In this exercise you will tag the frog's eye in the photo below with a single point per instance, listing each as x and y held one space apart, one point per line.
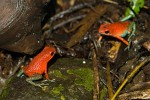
52 53
107 32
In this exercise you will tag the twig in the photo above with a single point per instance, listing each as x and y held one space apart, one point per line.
61 14
112 2
111 73
96 77
61 25
74 8
67 21
109 83
116 3
129 76
85 24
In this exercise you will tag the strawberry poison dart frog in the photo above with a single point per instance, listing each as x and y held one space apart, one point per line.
118 30
38 65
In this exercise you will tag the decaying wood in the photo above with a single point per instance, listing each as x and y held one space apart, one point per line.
86 23
96 91
109 83
20 25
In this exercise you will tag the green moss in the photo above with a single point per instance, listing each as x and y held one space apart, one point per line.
62 97
103 93
6 89
57 90
85 77
57 73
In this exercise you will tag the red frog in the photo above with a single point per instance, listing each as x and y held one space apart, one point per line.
118 30
38 65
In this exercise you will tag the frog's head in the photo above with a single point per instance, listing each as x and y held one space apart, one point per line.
49 51
104 29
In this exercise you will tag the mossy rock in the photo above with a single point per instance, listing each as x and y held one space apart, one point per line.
70 79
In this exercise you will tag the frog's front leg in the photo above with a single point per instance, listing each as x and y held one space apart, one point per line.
34 78
99 41
20 72
46 74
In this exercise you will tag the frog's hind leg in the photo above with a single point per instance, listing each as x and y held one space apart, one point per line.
34 78
133 29
121 39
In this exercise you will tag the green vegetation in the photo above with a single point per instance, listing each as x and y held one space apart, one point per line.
135 6
58 73
57 90
84 77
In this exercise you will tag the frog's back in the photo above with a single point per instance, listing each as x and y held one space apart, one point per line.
118 28
36 66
